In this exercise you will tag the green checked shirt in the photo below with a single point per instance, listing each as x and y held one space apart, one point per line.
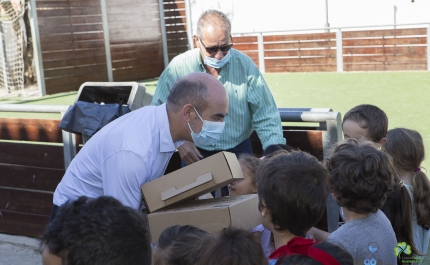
251 105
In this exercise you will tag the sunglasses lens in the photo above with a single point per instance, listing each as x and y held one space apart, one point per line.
212 49
215 49
225 48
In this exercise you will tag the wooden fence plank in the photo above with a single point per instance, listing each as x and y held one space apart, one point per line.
74 62
75 71
58 21
54 29
176 20
35 155
71 37
301 52
385 67
77 11
244 39
296 37
387 41
77 80
413 59
422 50
67 4
60 46
30 130
23 223
34 178
384 32
301 68
169 6
296 45
301 61
66 55
245 47
25 201
174 13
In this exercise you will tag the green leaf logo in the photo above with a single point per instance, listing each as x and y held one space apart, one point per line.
402 247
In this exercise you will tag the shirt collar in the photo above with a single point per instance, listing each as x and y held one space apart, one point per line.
166 143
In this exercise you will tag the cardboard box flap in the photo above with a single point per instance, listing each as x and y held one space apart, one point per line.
169 193
192 181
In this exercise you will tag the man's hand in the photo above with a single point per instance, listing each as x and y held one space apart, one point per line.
189 153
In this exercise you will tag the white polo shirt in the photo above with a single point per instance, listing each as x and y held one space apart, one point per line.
117 160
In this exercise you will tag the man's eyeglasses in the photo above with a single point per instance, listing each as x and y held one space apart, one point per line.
214 49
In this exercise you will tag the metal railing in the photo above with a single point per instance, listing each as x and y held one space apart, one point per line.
69 142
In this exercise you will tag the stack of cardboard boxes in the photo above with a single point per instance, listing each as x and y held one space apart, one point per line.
170 198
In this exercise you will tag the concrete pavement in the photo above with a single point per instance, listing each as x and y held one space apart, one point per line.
19 250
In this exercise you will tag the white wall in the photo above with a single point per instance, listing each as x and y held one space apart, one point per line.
270 15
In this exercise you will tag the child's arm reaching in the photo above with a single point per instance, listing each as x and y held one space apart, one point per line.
318 234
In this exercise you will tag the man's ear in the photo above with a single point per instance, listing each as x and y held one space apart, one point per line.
196 41
382 141
186 112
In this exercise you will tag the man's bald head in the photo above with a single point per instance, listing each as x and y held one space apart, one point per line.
213 18
196 89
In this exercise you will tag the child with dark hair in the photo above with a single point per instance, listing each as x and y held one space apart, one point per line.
181 245
361 178
234 247
292 190
96 232
370 123
366 122
277 147
406 147
314 253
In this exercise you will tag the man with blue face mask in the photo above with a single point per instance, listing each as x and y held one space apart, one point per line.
251 106
136 148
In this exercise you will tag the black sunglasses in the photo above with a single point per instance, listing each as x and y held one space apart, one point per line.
216 48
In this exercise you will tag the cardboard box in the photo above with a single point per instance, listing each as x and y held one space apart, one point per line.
192 181
211 214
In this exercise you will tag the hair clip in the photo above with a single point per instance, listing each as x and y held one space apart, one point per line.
417 169
401 183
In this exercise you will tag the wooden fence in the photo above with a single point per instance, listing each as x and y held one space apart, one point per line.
369 50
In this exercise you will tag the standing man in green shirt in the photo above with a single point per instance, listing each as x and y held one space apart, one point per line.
251 107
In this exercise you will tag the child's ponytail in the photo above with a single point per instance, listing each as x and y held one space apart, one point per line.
421 196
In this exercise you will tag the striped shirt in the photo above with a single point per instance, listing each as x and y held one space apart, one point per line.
251 104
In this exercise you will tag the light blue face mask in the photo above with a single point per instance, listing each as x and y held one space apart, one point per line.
215 63
210 133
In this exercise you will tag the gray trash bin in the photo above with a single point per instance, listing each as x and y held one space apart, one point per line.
98 103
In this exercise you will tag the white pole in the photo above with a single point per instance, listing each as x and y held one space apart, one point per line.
326 25
163 33
189 24
37 51
339 50
107 40
395 15
261 63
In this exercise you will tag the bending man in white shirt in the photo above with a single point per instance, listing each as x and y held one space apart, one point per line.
136 148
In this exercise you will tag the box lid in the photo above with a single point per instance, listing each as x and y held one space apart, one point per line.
192 181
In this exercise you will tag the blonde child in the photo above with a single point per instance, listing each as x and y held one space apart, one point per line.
407 150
